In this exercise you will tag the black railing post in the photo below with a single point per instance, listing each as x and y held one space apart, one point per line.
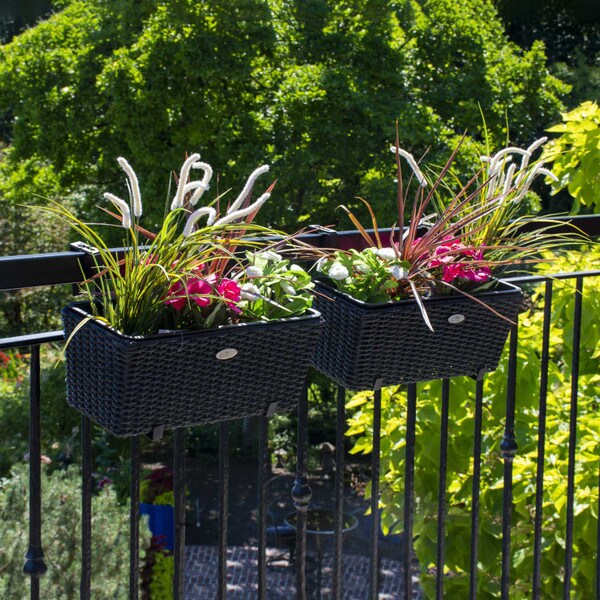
134 516
572 438
509 449
375 514
263 474
338 517
476 487
223 508
34 565
441 518
86 509
539 479
179 513
301 495
409 486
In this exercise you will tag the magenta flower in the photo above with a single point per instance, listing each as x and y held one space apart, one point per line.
231 291
456 261
198 290
176 296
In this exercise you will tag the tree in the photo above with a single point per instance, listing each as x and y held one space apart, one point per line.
312 87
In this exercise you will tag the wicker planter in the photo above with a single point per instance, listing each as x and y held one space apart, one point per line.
363 343
132 385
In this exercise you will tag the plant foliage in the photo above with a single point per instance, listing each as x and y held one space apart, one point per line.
575 155
460 462
315 85
61 535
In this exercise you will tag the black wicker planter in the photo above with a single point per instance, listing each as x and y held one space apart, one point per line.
363 343
132 385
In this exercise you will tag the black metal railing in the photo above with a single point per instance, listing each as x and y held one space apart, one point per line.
60 268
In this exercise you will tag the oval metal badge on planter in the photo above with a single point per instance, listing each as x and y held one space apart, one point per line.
226 354
454 319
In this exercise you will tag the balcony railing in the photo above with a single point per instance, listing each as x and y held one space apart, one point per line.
66 267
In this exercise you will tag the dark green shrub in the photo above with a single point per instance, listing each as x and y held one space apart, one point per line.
61 532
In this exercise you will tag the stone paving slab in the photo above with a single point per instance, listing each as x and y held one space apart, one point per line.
242 575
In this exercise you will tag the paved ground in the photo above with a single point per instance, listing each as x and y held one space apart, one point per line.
202 536
201 576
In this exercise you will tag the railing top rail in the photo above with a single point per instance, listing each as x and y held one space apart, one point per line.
540 278
58 268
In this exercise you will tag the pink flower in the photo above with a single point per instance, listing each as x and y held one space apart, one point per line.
452 271
480 274
231 291
198 290
176 296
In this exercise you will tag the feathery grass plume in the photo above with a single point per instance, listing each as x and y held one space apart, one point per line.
122 206
230 217
134 186
247 188
195 216
183 177
202 186
410 159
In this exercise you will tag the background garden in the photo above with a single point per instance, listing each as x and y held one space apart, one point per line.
313 88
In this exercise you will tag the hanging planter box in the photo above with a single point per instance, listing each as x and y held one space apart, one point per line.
363 343
134 385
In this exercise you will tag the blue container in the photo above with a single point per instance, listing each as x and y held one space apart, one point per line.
160 521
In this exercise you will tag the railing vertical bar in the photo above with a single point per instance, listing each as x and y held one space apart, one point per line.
179 513
541 443
34 565
441 515
301 495
86 509
409 487
476 487
263 474
223 507
509 448
572 437
338 517
134 517
598 544
375 514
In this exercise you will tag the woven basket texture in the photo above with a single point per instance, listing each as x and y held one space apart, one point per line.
362 343
131 386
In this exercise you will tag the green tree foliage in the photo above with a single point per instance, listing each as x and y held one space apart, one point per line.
576 156
313 87
61 534
460 461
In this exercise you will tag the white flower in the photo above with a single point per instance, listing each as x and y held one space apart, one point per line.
250 292
387 253
288 288
338 271
297 269
397 272
361 267
254 271
270 255
372 249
